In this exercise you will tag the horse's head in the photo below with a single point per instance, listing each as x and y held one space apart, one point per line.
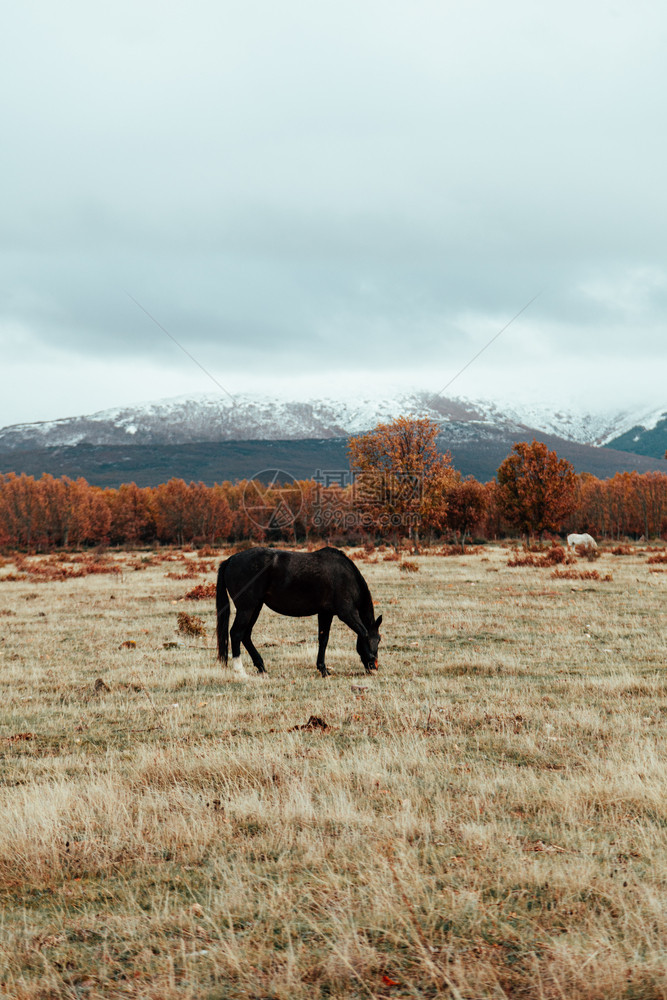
367 646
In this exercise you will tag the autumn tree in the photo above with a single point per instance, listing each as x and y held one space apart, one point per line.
466 506
492 524
20 509
536 488
401 477
132 519
210 516
91 518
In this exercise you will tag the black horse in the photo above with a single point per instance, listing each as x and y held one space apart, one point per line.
323 583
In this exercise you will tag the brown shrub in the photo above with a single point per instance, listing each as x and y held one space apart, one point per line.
660 558
242 546
587 552
580 574
409 567
556 554
191 624
202 592
52 568
202 566
207 553
517 560
391 557
622 550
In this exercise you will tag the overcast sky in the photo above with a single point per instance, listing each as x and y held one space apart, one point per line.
309 196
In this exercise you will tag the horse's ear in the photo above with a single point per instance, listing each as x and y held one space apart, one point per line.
378 622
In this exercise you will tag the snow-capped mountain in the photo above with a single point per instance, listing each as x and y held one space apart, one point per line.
600 428
646 436
213 417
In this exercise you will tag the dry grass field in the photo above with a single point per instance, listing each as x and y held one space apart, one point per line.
485 817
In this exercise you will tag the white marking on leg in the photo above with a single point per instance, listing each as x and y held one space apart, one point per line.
237 666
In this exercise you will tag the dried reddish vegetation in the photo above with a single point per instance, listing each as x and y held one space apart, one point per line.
458 550
55 568
552 557
191 624
587 552
202 592
580 574
661 557
193 569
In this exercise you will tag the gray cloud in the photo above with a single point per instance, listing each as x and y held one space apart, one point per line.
292 188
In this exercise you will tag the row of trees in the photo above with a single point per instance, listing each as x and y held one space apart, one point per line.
402 487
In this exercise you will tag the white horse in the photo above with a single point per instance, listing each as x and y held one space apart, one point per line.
586 540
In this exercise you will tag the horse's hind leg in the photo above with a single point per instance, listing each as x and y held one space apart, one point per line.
248 643
324 620
240 633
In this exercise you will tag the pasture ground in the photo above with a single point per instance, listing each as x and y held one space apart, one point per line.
485 817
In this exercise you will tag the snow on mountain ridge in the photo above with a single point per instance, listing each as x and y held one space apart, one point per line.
212 417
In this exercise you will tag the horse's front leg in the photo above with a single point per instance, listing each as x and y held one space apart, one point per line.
254 654
353 620
324 620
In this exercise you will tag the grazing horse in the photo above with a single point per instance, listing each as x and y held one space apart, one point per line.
323 583
586 540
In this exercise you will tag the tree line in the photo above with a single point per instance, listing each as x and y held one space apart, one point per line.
401 487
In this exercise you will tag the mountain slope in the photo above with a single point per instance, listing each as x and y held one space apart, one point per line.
646 438
217 461
212 417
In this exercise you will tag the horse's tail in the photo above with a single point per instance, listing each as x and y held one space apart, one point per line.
222 610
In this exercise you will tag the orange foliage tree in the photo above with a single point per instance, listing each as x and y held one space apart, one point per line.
404 485
466 506
630 503
401 477
132 514
536 488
